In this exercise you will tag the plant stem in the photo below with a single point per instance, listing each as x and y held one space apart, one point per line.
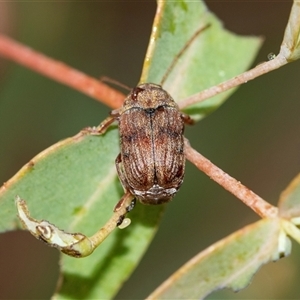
259 70
256 203
60 72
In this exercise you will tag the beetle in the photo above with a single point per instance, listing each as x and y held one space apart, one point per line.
150 165
151 162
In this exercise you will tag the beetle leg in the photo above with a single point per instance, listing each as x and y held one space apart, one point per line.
187 119
101 129
74 244
123 181
120 171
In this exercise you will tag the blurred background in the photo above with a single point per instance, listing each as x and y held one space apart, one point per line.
254 136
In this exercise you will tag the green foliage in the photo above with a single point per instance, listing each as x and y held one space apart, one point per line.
74 185
64 184
229 263
215 56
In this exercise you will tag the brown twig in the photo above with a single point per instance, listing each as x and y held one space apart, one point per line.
279 61
99 91
256 203
60 72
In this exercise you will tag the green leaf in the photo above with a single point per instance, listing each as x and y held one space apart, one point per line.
289 209
61 179
289 202
74 185
229 263
290 46
215 56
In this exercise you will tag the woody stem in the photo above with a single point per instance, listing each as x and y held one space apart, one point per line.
60 72
256 203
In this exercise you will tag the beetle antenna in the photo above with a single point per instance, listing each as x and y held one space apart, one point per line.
115 82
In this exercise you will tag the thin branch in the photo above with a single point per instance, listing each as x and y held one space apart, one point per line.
256 203
60 72
103 93
259 70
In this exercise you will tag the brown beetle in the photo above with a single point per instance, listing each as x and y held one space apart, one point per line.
151 163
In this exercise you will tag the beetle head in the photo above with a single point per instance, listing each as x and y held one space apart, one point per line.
148 95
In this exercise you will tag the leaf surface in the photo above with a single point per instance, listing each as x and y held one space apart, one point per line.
215 56
229 263
290 47
289 202
74 185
